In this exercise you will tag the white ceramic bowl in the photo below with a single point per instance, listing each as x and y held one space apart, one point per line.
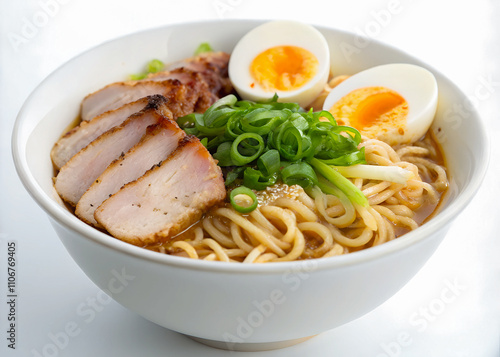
233 305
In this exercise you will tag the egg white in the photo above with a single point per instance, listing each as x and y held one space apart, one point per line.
279 33
415 84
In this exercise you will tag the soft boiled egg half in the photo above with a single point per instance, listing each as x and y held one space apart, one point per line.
288 58
395 103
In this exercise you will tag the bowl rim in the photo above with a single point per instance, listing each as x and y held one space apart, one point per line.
70 222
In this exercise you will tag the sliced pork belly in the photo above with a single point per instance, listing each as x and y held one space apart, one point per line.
216 61
76 176
205 85
167 199
154 147
87 131
115 95
193 95
213 66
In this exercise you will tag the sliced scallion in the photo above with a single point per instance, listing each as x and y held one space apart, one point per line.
256 180
299 174
243 199
269 162
202 48
347 187
236 153
153 66
263 142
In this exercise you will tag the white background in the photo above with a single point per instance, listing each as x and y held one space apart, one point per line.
459 38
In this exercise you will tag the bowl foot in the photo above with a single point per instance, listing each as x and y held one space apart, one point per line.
249 347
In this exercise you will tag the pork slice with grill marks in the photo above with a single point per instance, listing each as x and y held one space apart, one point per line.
166 199
76 176
115 95
205 84
213 66
87 131
154 147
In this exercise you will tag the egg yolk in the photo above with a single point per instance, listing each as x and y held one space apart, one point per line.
373 107
375 111
283 68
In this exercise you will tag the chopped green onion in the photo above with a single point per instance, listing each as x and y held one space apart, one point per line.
353 158
265 117
223 154
263 142
240 159
139 76
351 191
238 195
187 121
202 48
289 142
233 174
299 174
153 66
269 162
373 172
256 180
329 188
